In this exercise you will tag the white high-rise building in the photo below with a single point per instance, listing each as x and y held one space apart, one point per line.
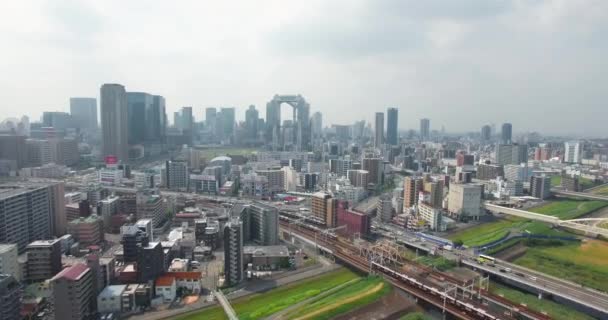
114 117
573 152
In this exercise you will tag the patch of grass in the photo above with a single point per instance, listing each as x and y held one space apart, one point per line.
556 181
440 263
505 245
581 263
487 232
353 296
261 305
603 191
210 153
555 310
566 209
415 316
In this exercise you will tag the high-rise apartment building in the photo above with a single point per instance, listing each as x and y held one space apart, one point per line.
572 152
511 153
384 208
233 252
114 121
392 126
251 122
540 187
358 178
84 112
260 224
151 206
506 134
31 211
43 259
425 129
379 130
323 207
317 124
489 171
176 175
73 293
227 120
411 189
375 169
87 230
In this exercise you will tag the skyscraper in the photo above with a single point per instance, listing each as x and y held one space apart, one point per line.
411 188
486 133
114 119
84 112
187 123
379 130
147 121
506 133
227 119
392 130
425 129
317 124
251 122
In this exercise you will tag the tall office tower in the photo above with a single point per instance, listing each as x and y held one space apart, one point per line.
375 170
260 224
573 152
10 298
57 120
211 119
13 148
379 130
251 122
425 129
73 293
227 120
187 123
8 260
114 121
486 133
31 211
384 208
542 152
392 126
511 153
540 187
506 135
233 252
43 259
147 121
176 175
317 124
300 132
84 112
323 206
411 188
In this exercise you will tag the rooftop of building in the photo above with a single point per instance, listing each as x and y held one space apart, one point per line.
12 189
112 291
43 243
221 158
272 251
73 273
165 281
184 275
90 219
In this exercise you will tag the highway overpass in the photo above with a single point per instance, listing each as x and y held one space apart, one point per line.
582 195
588 226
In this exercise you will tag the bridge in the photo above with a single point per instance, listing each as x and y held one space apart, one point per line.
589 226
582 195
230 313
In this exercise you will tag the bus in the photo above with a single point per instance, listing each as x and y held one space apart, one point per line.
483 258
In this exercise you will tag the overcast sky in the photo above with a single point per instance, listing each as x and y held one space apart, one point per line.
541 65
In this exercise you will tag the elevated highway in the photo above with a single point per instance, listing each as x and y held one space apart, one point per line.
587 226
582 195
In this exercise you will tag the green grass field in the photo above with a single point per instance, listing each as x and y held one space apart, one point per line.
440 263
211 153
487 232
584 263
346 299
603 191
415 316
584 183
261 305
561 208
555 310
556 181
566 209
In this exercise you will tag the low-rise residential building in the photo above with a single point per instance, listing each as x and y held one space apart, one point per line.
110 299
166 288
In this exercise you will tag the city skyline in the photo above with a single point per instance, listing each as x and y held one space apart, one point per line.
453 64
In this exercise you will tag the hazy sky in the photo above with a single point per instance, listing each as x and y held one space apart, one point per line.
541 65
